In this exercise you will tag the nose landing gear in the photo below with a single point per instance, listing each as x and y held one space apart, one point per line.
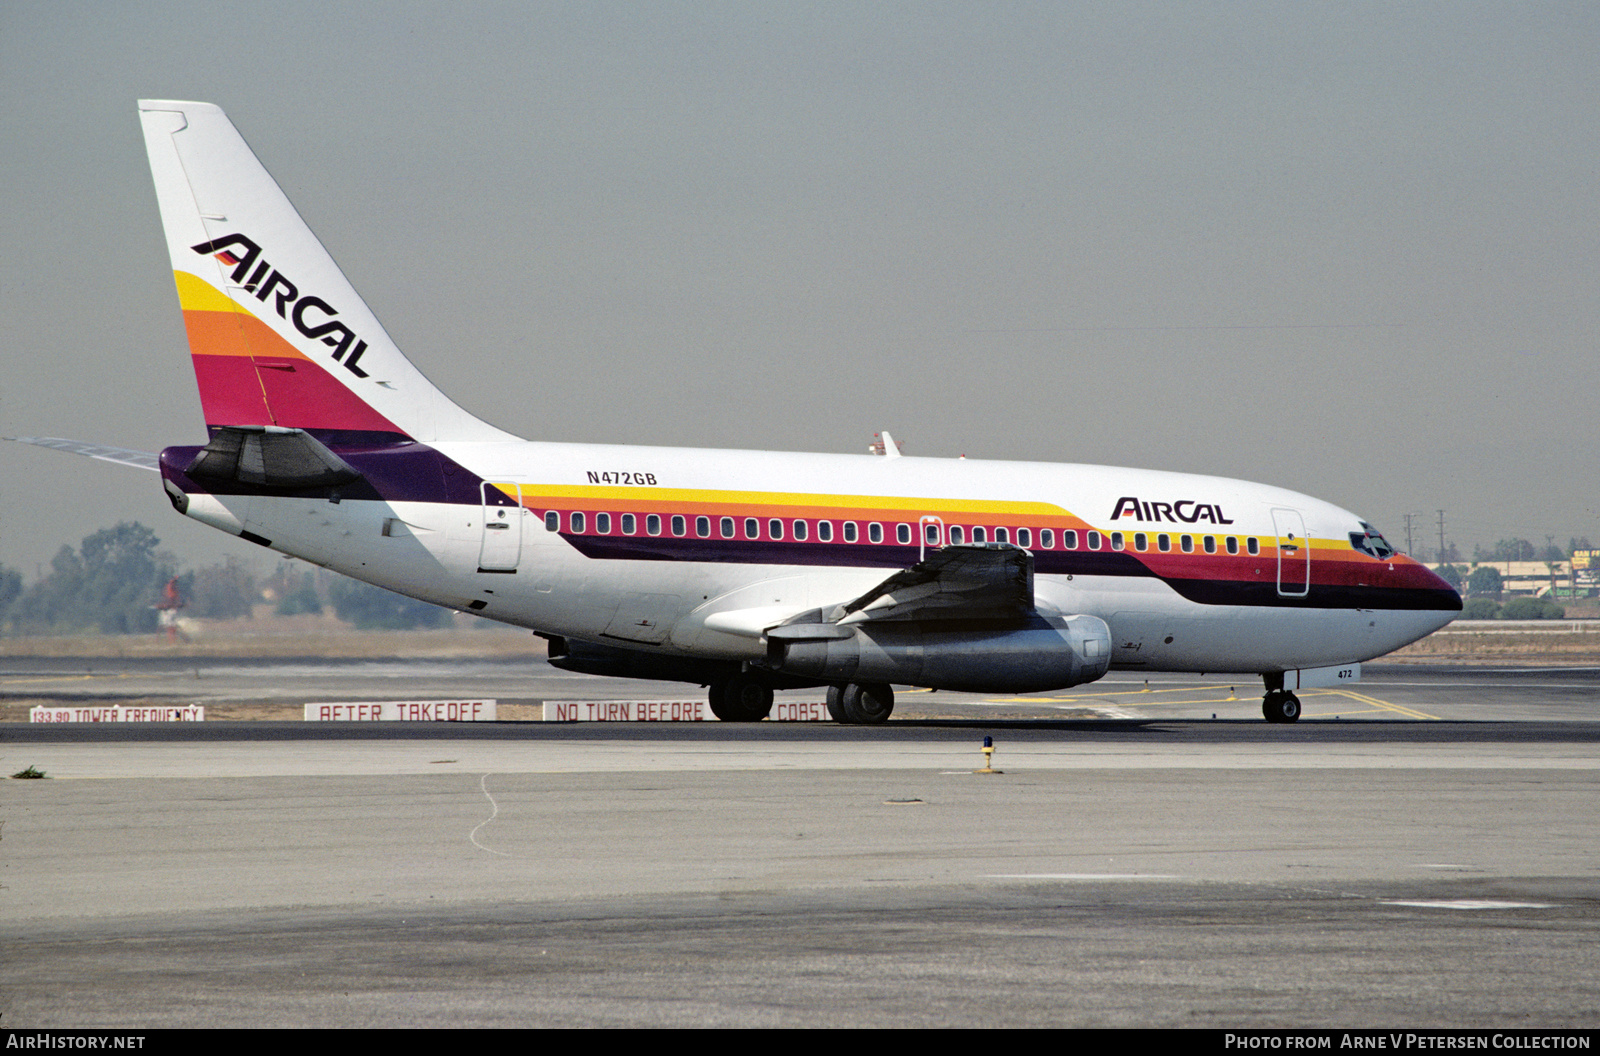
1279 705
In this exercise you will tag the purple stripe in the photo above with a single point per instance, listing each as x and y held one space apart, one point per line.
391 471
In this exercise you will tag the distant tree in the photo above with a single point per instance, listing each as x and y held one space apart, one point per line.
1450 553
1579 543
10 591
1451 575
218 592
1507 550
373 608
110 584
1480 609
1485 582
301 598
1532 609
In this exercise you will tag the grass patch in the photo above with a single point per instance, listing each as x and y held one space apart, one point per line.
30 773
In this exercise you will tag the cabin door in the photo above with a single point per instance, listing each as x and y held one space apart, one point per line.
1294 554
502 528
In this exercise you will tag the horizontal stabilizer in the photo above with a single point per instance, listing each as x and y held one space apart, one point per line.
122 456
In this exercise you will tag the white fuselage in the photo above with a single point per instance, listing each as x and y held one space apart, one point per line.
604 587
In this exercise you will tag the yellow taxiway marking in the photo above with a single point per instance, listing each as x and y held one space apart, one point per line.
1087 699
1381 705
58 678
1146 691
1151 703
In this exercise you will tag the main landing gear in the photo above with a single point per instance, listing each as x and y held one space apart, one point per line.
740 698
860 703
743 698
1279 705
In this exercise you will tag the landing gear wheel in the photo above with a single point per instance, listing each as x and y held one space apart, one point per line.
740 698
860 703
1280 706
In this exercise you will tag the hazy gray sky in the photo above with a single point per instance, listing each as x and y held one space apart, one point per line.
1346 248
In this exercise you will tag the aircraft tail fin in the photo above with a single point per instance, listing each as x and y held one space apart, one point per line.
278 335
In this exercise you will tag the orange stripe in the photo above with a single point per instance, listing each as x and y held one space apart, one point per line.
235 334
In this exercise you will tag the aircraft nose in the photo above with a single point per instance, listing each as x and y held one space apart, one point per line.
1447 594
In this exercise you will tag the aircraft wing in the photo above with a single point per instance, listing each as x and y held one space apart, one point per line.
961 581
120 455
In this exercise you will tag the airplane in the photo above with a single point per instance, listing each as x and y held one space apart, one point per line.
742 571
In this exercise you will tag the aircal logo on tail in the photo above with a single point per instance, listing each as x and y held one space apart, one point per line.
1185 510
266 281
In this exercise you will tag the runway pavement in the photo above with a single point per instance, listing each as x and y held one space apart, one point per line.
1428 858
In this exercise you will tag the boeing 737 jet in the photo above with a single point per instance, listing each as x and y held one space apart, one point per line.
743 571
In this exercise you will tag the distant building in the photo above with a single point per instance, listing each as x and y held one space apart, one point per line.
1578 578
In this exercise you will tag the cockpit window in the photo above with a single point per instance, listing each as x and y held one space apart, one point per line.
1371 541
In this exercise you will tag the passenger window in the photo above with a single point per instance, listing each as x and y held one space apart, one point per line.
630 524
679 525
702 527
1024 537
1069 539
1233 544
552 521
1210 543
930 534
1253 545
902 534
824 531
1163 542
1116 540
752 528
849 531
979 535
652 524
1186 543
577 522
602 523
1140 541
1093 539
774 529
957 534
1047 538
726 527
1002 535
800 532
875 532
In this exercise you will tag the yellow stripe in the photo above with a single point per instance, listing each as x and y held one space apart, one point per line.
197 295
786 498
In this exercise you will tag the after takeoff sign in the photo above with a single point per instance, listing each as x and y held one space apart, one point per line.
402 711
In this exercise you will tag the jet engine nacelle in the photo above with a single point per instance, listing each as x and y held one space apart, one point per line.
1049 653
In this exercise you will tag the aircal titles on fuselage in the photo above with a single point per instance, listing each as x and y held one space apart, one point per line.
1184 511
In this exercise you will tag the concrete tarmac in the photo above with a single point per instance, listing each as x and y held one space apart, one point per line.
1376 871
